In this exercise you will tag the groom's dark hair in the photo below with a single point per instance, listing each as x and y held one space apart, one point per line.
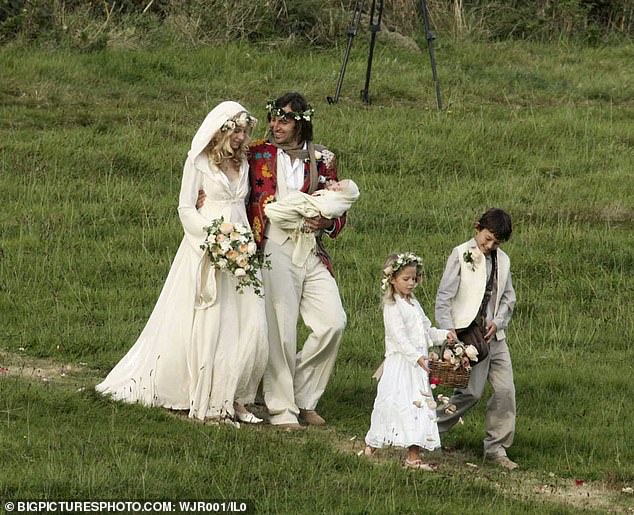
298 104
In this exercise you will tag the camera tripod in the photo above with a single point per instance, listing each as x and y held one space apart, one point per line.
376 12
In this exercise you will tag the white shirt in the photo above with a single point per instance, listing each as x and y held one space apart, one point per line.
293 172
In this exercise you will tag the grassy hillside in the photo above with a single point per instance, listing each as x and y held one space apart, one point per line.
91 152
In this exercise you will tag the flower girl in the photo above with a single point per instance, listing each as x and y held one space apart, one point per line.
404 409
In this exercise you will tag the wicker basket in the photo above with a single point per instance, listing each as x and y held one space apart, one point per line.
444 374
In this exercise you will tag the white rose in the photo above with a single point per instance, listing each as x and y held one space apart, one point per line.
476 255
226 227
239 272
251 247
471 352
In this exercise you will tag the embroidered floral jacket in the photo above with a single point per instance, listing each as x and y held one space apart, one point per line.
263 177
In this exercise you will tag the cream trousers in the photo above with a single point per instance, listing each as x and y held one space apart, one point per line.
499 421
293 379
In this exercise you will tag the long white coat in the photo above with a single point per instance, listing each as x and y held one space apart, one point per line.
204 345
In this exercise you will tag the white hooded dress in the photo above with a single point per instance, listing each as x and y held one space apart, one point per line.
205 344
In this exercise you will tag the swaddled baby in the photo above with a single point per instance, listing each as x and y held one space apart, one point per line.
288 213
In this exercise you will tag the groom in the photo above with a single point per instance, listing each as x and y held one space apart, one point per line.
294 381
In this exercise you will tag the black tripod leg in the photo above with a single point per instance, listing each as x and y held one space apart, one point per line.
375 26
429 35
352 32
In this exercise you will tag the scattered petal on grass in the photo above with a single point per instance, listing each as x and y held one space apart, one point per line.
22 349
83 364
3 370
81 389
551 474
579 482
353 438
360 453
472 465
460 421
45 379
63 374
627 490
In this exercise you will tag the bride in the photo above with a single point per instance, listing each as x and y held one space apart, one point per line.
204 347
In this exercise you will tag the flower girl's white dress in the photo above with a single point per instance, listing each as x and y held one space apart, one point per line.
204 345
396 420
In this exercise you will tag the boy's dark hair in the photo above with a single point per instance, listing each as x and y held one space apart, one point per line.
498 222
298 103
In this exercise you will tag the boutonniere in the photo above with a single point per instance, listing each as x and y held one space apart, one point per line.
318 157
472 259
322 179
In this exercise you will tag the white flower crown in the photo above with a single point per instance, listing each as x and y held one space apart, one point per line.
278 112
402 260
242 119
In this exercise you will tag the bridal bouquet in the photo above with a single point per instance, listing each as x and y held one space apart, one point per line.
232 249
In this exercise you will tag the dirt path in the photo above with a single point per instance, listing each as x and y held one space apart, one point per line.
530 486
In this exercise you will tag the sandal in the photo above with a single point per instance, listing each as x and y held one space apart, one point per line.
247 417
419 465
244 415
369 451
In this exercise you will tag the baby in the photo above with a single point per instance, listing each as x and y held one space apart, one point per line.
289 213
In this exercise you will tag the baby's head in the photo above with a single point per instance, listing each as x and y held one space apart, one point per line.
346 186
338 185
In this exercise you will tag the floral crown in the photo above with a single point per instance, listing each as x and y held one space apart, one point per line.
278 112
242 119
402 260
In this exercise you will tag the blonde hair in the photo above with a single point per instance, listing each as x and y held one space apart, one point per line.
219 147
395 264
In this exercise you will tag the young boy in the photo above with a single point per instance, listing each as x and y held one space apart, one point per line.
476 288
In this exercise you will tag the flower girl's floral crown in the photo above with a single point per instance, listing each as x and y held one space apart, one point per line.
401 261
278 112
242 119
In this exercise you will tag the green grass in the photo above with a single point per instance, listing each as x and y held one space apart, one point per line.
91 152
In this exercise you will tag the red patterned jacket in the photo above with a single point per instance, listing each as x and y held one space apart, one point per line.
263 178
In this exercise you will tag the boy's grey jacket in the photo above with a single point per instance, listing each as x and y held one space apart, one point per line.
462 288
